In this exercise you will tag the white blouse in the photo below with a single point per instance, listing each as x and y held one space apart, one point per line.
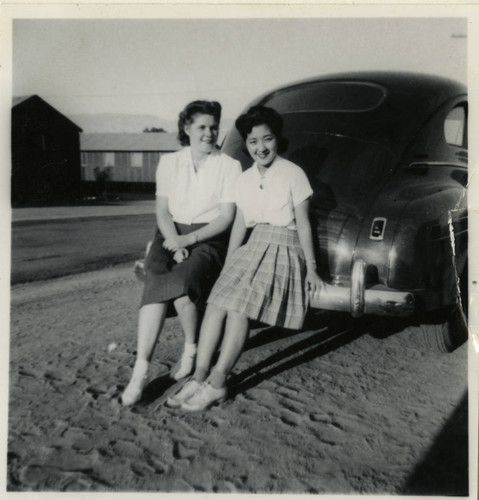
195 197
271 198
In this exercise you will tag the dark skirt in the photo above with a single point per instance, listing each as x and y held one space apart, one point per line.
166 280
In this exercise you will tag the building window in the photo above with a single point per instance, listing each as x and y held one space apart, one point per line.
122 159
454 126
91 158
109 159
136 159
150 159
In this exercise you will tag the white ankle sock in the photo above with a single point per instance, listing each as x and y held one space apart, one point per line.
189 349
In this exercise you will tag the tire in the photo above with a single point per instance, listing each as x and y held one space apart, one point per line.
446 330
445 336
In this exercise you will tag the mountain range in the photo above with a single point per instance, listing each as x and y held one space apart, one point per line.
126 123
114 122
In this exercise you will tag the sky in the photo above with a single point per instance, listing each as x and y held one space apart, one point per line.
156 66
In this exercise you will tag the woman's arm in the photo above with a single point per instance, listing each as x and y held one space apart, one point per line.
237 233
303 226
215 227
164 219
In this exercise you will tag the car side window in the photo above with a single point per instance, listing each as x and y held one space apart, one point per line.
455 127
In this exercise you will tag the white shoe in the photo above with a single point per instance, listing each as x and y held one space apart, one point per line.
184 367
183 394
204 397
134 390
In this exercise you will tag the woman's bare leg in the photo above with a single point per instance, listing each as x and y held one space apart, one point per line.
189 320
150 323
210 335
236 334
151 319
188 316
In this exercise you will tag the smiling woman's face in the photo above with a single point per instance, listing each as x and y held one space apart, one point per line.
262 145
203 133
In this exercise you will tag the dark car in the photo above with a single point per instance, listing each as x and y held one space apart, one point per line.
386 155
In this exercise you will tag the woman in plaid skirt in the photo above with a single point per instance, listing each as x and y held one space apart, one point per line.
268 279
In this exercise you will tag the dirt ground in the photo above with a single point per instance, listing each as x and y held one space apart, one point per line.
331 409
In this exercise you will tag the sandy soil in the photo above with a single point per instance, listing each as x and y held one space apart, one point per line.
332 409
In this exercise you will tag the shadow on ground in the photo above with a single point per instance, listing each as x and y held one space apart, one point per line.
444 470
332 332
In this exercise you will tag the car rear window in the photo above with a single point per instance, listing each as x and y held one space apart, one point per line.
328 96
340 169
454 126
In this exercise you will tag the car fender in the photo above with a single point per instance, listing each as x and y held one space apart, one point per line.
428 247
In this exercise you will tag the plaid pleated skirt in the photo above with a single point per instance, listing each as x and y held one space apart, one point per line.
166 280
265 279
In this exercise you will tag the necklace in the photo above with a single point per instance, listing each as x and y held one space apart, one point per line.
262 178
261 184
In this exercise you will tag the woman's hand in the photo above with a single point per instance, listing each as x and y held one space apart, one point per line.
313 282
175 243
180 255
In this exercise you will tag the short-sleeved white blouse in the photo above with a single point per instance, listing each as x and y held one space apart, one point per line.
271 199
195 197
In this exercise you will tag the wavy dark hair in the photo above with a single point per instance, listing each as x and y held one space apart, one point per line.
212 108
262 115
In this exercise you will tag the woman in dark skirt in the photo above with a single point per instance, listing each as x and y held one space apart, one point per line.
194 211
268 279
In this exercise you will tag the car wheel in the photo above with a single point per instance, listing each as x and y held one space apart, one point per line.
447 330
445 336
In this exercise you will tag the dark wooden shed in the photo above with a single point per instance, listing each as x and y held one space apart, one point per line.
45 153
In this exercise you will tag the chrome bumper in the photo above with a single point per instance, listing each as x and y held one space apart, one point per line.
355 299
358 300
